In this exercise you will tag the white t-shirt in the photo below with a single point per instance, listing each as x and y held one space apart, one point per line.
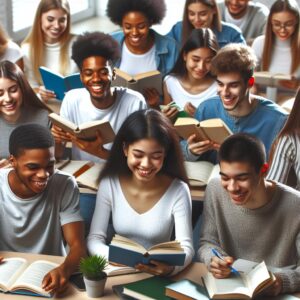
78 108
181 96
51 61
13 52
149 228
34 224
134 64
237 22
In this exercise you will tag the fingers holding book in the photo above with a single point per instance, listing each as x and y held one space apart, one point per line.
55 281
46 94
60 135
220 267
156 268
196 147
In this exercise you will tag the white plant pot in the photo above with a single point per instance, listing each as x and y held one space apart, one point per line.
94 288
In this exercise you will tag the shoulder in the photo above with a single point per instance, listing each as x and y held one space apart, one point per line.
3 176
259 41
62 178
230 28
214 190
163 41
118 36
131 96
271 107
76 95
258 8
170 78
290 194
25 48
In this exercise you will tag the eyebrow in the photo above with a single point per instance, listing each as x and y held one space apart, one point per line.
231 82
237 175
140 151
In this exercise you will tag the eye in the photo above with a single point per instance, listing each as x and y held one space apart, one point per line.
191 13
50 19
32 167
87 72
141 26
104 71
13 89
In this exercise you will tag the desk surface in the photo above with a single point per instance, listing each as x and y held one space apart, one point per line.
194 273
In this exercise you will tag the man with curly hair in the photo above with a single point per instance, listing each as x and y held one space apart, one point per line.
93 53
143 49
241 111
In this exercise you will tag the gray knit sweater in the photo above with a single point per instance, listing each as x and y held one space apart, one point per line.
269 233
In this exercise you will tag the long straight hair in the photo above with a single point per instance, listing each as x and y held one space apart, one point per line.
199 38
187 27
280 6
3 41
35 38
144 124
13 72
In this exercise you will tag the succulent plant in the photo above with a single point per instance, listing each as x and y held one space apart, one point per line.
92 267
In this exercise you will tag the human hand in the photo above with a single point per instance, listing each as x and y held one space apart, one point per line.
190 108
170 112
1 259
152 97
94 147
56 280
60 135
46 94
198 148
220 267
156 268
275 289
4 163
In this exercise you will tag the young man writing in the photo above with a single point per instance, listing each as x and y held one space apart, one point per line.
249 16
241 111
94 53
246 216
40 206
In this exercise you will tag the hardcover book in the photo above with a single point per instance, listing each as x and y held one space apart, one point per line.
269 79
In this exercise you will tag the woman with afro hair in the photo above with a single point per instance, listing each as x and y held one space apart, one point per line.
143 49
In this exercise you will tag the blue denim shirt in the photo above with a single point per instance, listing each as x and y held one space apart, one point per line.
229 34
264 122
166 51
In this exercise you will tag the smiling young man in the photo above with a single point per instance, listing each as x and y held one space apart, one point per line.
40 207
93 53
241 111
249 16
246 216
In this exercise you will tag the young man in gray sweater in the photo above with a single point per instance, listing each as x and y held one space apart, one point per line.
246 216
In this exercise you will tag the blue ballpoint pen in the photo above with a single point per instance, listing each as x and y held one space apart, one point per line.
218 254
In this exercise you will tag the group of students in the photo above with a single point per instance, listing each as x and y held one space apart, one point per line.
144 181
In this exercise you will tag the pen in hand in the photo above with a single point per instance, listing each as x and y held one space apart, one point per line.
218 254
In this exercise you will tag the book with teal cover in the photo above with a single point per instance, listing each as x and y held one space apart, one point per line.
60 84
149 288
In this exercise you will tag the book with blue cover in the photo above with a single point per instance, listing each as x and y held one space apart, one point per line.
59 84
127 252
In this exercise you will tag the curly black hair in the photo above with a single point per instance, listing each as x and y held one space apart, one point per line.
154 10
94 44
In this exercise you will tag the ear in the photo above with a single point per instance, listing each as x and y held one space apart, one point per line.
113 75
184 56
251 82
12 160
125 149
264 169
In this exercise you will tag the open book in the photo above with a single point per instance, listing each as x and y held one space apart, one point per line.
86 173
139 82
127 252
59 84
269 79
244 285
86 131
19 277
212 129
201 172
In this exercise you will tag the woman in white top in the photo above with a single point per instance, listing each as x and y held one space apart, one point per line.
190 81
278 50
143 185
9 50
49 44
285 151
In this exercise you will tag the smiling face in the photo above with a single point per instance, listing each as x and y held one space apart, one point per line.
145 159
136 28
200 15
32 169
241 182
53 24
96 75
10 99
237 8
198 62
283 24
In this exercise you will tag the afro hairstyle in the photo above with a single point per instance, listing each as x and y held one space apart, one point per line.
154 10
94 44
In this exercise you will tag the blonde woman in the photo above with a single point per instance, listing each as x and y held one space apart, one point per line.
49 44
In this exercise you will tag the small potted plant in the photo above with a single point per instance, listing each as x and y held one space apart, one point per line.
92 268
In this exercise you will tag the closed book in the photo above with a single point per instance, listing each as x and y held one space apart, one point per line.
127 252
152 288
269 79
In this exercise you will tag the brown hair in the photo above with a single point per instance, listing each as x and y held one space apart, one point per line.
35 38
3 41
280 6
187 27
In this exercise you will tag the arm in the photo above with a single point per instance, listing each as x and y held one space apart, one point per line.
56 279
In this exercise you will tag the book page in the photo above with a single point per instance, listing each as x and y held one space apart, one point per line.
114 270
10 269
123 242
199 170
151 79
73 166
90 178
33 276
62 123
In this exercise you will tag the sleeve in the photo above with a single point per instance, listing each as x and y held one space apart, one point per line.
236 35
257 47
65 107
182 213
283 160
96 240
69 207
208 233
291 277
175 32
28 70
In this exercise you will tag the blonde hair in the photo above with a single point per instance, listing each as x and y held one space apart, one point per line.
3 41
35 38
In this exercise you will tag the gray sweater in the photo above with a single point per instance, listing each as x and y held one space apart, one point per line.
269 233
